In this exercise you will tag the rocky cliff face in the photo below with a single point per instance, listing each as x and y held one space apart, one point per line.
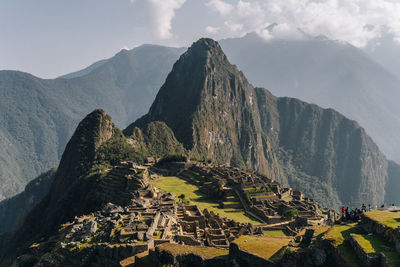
327 155
217 114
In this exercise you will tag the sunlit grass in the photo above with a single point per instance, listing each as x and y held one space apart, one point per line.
205 252
387 218
338 234
195 197
264 246
375 244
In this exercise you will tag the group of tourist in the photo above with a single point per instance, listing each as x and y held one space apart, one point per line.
354 214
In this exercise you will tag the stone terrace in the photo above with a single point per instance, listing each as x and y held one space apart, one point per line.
265 199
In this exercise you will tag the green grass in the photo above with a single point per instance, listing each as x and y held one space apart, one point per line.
195 197
365 243
387 218
267 247
159 234
338 234
374 244
274 233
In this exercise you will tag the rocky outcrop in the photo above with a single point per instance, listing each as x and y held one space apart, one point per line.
157 139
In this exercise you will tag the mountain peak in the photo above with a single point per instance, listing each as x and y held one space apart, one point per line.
204 51
94 130
187 86
211 108
206 44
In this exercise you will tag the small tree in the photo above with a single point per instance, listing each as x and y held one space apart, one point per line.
181 197
290 214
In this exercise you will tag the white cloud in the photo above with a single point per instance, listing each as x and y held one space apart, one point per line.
212 30
355 21
160 14
239 18
219 6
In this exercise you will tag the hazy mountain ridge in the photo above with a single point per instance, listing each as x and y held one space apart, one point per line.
329 73
14 210
38 116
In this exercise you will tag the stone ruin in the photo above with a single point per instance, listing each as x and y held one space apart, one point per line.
122 182
206 228
262 197
141 217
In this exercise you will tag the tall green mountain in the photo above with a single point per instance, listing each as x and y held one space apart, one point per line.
203 95
216 114
37 116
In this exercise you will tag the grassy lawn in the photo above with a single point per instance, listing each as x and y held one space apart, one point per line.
274 233
205 252
192 193
374 244
387 218
320 229
267 247
337 234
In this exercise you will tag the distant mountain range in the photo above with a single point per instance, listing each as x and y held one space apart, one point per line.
386 51
329 73
38 116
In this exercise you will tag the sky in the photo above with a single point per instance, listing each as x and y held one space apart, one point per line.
49 38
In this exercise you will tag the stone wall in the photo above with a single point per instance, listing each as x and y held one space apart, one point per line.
366 259
391 235
120 251
188 240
